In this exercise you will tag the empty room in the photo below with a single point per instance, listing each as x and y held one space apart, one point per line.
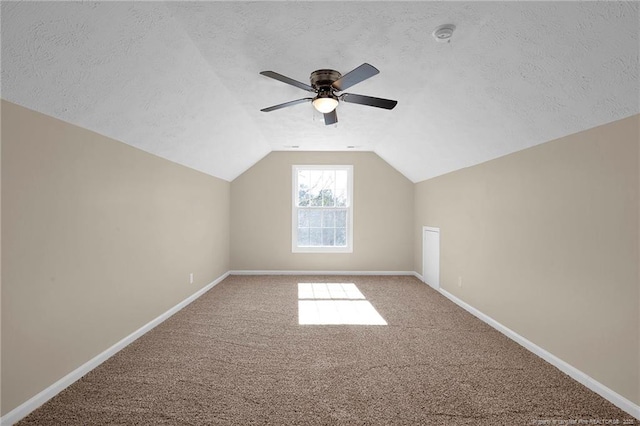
318 213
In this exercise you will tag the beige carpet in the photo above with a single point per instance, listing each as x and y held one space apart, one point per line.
238 356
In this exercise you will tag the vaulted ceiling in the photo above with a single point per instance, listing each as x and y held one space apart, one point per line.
181 79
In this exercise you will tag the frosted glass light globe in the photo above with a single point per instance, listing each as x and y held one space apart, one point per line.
325 105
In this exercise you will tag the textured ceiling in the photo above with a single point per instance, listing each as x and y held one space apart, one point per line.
181 79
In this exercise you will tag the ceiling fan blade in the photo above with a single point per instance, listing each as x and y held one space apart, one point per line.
286 104
288 80
355 76
330 118
369 100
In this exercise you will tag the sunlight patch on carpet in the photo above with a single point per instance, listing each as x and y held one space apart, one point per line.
333 304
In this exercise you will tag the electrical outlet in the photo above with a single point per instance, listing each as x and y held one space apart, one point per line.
459 281
191 278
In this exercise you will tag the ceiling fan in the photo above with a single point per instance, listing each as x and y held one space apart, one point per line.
326 84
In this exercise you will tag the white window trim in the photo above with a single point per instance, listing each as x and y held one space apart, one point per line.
294 210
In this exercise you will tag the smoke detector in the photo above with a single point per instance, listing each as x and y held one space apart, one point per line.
444 32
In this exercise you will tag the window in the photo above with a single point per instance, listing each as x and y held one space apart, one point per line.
322 219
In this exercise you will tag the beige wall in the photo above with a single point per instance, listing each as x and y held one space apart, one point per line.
98 238
546 243
545 240
261 216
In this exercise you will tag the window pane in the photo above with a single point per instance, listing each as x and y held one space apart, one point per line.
328 218
303 218
303 187
303 198
315 236
303 177
341 198
341 180
315 218
327 198
303 236
341 237
316 200
341 218
328 237
315 182
329 187
330 179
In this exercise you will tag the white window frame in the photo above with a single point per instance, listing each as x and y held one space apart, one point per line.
294 211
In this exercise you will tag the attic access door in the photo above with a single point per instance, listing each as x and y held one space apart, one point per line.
431 256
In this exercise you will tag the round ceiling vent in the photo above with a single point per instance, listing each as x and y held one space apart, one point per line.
444 32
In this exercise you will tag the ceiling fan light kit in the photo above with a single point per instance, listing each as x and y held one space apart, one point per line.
325 84
325 104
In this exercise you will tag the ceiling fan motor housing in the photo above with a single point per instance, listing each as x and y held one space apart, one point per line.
323 79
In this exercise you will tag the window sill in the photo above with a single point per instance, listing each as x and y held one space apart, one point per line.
322 250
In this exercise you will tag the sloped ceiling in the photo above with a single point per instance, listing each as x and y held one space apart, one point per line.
181 79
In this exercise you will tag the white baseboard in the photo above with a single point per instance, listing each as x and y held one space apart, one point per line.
286 272
27 407
418 276
608 394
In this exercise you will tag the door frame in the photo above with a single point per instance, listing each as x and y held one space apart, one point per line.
426 229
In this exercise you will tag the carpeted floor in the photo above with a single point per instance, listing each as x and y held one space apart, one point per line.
238 356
